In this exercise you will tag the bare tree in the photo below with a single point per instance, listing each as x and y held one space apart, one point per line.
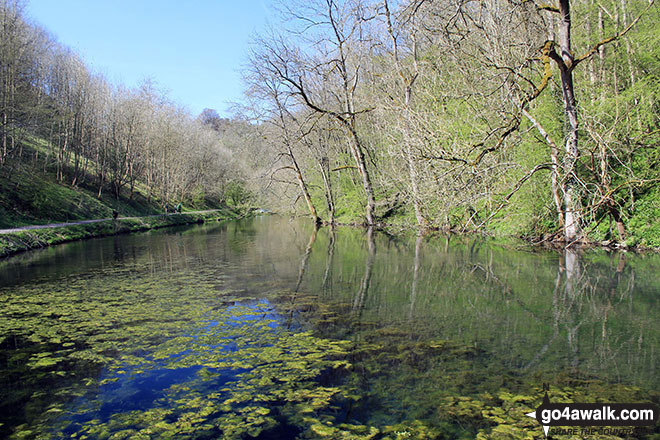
407 78
334 60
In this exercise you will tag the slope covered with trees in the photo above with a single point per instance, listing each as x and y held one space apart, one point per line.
519 117
515 117
73 145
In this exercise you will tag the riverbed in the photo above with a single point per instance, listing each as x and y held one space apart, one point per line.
269 328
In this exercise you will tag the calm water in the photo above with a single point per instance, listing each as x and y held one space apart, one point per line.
266 328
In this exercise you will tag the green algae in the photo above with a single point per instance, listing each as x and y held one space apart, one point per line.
67 336
255 359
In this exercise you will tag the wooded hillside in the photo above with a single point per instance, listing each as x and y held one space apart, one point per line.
507 116
68 136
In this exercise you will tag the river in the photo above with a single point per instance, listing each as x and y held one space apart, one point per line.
267 328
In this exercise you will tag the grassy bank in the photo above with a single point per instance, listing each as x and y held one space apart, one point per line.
31 194
12 243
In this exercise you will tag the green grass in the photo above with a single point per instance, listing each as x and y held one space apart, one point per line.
30 194
29 197
20 241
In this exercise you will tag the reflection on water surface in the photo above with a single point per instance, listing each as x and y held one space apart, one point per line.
268 328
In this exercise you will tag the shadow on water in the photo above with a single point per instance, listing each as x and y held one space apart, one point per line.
86 255
273 328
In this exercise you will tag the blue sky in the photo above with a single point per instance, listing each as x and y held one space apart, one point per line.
192 49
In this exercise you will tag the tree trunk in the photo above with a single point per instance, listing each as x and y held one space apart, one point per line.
327 184
358 154
592 60
408 80
412 168
601 54
4 137
303 188
554 158
571 193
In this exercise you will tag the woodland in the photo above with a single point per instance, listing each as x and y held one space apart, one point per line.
505 117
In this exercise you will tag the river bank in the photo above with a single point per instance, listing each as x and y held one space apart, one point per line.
20 240
552 242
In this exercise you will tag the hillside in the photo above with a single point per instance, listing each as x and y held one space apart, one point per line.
31 194
74 145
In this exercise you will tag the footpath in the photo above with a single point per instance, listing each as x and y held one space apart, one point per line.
26 238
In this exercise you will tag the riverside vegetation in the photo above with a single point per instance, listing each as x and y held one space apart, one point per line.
526 118
14 242
509 118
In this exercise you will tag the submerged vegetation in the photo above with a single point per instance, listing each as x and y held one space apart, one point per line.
268 329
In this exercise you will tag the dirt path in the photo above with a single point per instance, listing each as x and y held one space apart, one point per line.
83 222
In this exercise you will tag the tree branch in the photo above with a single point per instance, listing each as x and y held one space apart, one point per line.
614 37
519 184
514 124
345 167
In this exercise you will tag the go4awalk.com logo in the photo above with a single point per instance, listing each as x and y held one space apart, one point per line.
591 418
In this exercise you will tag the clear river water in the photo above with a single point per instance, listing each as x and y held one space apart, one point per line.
268 328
